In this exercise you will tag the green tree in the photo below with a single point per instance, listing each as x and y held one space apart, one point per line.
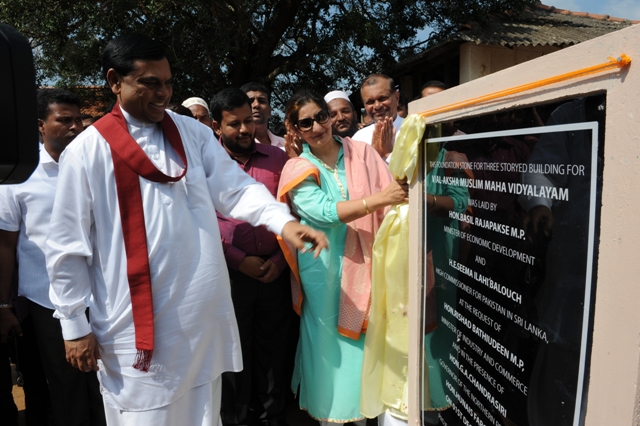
212 44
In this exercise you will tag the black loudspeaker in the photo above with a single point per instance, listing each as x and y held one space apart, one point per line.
18 112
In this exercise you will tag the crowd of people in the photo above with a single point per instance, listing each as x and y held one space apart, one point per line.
131 305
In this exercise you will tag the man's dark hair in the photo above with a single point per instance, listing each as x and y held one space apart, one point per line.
434 83
404 100
373 79
227 100
256 87
124 50
47 97
182 110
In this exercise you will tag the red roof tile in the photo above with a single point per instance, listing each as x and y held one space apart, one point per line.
541 26
553 9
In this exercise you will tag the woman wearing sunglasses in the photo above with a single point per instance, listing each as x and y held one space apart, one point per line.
341 187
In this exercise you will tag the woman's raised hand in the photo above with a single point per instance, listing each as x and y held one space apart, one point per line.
292 143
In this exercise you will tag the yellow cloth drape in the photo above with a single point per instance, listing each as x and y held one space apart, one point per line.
385 364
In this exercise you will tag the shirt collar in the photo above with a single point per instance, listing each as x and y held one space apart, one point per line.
398 122
45 157
134 121
275 140
261 148
258 148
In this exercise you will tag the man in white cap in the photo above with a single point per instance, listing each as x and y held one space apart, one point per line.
200 110
380 98
344 119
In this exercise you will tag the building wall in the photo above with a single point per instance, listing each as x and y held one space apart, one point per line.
479 60
613 392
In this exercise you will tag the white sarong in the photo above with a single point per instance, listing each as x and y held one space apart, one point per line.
199 406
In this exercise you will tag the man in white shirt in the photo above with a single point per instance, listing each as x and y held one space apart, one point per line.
260 98
134 228
380 98
25 212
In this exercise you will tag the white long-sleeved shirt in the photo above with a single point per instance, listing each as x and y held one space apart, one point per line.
196 337
26 208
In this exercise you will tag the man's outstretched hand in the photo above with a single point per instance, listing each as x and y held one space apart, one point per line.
296 234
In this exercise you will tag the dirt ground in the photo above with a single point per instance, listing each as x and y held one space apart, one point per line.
18 398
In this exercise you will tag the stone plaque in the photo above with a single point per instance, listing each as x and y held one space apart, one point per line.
512 211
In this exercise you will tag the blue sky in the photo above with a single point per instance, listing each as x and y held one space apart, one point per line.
628 9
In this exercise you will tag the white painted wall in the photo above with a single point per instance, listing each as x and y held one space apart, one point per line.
479 60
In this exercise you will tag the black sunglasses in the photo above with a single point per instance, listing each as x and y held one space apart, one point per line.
306 124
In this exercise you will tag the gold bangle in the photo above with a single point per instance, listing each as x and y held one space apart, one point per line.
432 205
366 208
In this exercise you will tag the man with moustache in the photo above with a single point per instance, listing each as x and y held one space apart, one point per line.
25 213
344 119
260 98
132 234
380 98
258 271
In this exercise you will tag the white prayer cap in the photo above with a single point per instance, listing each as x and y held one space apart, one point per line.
336 94
196 101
